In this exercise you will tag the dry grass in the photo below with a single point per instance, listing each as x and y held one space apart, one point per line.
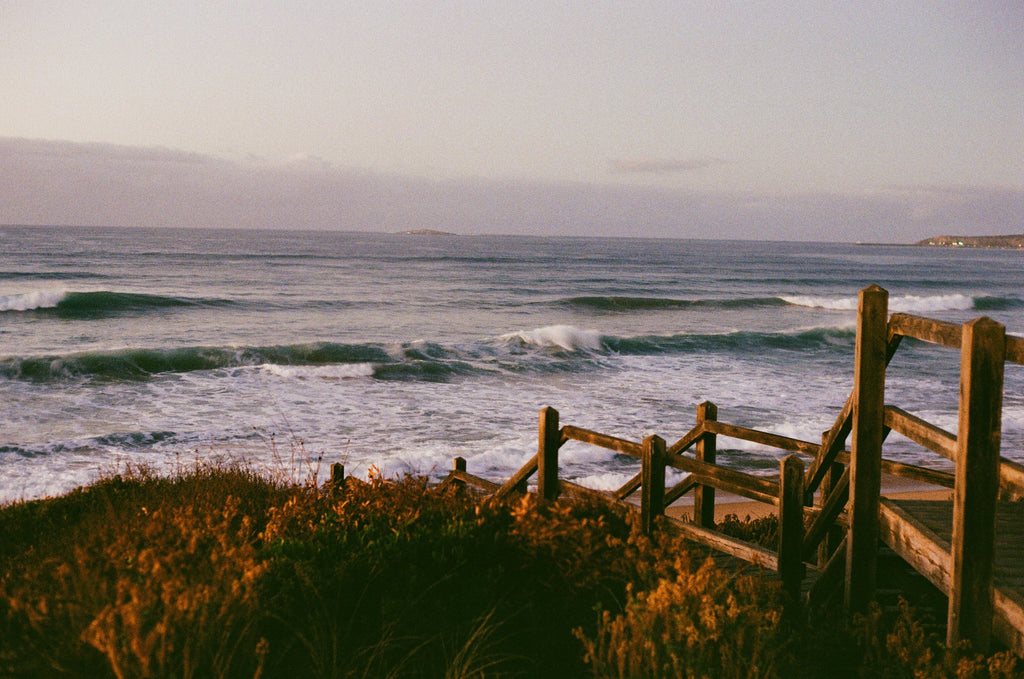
222 572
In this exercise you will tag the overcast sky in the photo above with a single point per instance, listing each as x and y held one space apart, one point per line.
806 120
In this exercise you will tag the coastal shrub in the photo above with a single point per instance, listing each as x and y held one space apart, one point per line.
698 624
221 572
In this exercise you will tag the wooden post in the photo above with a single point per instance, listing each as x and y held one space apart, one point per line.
791 525
834 537
982 355
652 474
866 447
337 475
704 496
549 440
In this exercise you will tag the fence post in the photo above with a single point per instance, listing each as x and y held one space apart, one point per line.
337 475
652 475
982 356
791 525
549 440
834 537
704 496
866 447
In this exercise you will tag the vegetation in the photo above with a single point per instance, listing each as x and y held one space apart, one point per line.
225 573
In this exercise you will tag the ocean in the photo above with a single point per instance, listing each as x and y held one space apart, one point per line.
289 351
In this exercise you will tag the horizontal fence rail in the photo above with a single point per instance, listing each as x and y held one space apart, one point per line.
838 542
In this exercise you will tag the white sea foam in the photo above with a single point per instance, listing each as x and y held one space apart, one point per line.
39 299
342 371
905 304
566 337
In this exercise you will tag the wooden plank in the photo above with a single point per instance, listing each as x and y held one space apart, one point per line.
574 489
549 440
525 472
687 441
652 500
977 483
791 525
1008 624
916 543
570 433
728 480
832 506
926 329
764 438
915 473
680 489
1015 349
748 551
704 496
629 487
919 431
463 476
1011 480
832 444
866 447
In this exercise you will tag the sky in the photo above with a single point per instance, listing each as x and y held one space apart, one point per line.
853 121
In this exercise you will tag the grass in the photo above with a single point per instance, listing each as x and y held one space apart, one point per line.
222 572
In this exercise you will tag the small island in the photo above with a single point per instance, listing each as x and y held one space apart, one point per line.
1015 242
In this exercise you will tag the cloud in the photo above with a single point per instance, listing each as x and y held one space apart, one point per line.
662 166
65 183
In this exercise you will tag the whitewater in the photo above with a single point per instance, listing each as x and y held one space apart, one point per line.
289 351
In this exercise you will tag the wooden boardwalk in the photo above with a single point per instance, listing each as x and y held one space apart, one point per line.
925 541
833 517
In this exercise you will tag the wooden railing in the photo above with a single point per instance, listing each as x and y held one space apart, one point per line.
840 490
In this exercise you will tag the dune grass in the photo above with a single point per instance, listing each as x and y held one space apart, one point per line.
223 572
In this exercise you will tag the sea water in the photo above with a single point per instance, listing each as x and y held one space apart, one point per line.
289 351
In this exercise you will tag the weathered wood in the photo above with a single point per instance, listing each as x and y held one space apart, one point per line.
748 551
576 490
680 489
791 525
1008 624
916 543
629 487
652 500
917 430
727 480
833 535
764 438
1011 480
832 443
462 476
570 433
688 441
1015 349
516 480
704 496
926 329
866 447
549 440
977 483
830 577
337 474
832 506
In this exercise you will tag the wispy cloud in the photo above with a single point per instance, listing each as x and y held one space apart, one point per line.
661 165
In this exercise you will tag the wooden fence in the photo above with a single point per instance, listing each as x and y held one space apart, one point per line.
831 513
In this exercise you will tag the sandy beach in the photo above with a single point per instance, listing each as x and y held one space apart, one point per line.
725 504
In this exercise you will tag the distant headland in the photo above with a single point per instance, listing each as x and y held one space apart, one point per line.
427 232
1005 242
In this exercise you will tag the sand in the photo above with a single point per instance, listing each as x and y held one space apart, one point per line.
892 487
